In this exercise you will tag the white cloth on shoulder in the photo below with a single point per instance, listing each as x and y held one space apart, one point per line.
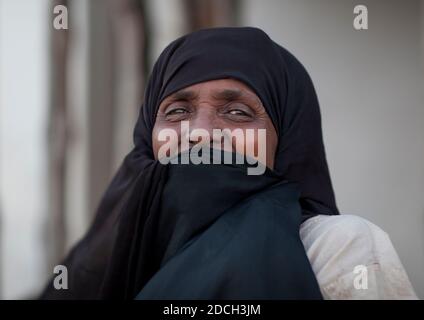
336 245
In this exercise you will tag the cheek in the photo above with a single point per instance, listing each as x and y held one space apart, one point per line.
271 145
262 144
256 145
155 142
165 138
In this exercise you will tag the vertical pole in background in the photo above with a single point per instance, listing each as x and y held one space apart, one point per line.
211 13
100 105
57 143
128 36
115 85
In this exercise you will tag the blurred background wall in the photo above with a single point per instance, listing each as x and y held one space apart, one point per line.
69 100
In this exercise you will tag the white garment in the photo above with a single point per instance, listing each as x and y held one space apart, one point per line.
335 245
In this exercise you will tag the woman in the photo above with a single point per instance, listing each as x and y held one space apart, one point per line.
172 227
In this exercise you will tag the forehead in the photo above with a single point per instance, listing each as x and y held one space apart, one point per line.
228 89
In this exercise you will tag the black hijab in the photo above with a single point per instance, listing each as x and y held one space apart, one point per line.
138 226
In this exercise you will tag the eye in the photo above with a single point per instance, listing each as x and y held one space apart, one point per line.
176 110
238 112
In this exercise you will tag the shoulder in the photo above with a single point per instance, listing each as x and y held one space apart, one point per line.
347 229
337 245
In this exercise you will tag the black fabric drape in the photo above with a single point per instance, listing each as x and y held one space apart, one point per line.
118 255
246 248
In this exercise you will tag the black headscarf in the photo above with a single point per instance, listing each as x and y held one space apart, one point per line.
137 227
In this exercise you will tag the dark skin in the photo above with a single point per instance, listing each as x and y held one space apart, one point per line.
216 104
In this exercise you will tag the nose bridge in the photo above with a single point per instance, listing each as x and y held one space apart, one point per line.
205 118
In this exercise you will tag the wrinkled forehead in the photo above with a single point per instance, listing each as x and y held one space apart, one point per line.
220 89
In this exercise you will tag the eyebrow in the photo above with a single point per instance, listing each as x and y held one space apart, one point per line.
184 95
228 94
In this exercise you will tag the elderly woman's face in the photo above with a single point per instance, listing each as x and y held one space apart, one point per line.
217 104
